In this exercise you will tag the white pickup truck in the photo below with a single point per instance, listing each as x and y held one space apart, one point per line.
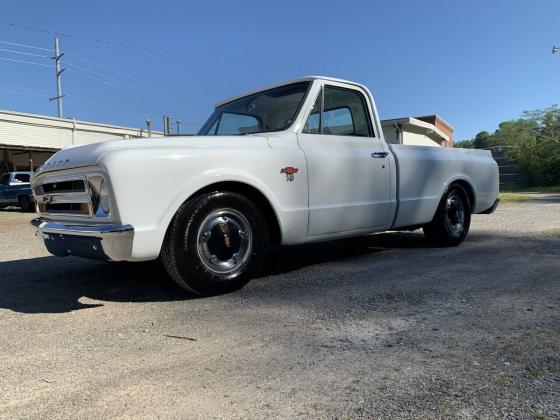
302 161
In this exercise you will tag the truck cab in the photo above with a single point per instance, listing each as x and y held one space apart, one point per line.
15 190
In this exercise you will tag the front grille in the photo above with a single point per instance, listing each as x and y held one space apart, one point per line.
76 185
65 208
68 197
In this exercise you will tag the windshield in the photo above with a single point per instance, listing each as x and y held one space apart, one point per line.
269 110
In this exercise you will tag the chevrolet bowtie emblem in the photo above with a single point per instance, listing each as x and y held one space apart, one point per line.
47 199
289 171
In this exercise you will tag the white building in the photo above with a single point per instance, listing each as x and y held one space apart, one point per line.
430 130
28 140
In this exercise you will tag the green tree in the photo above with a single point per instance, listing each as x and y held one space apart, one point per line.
532 143
482 140
464 144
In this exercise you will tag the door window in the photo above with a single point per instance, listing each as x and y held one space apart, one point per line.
313 124
344 113
5 179
338 122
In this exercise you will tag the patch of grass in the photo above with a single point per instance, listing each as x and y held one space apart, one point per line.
539 416
515 188
506 342
508 196
502 381
537 373
555 367
386 376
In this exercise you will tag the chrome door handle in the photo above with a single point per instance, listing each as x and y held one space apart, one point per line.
379 154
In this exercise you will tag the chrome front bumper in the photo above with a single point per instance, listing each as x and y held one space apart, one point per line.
98 242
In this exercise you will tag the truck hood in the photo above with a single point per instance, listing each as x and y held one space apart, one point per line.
91 154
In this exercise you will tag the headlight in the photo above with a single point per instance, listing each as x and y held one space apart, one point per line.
99 196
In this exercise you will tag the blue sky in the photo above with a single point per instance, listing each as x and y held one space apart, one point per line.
475 63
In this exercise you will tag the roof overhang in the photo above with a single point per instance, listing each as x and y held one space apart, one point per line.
427 127
28 148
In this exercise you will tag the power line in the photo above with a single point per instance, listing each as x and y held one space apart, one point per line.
25 45
157 50
103 77
107 81
96 78
24 53
26 62
103 66
16 92
260 64
86 38
23 87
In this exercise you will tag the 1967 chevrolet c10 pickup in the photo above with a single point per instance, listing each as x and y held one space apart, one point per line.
298 162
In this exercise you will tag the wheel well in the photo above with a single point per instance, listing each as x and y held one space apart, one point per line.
257 197
469 190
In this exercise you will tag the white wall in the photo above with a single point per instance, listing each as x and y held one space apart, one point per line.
418 139
411 135
19 129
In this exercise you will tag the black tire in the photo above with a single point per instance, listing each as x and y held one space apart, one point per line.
211 229
452 220
25 203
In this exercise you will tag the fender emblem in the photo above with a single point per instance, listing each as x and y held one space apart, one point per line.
289 171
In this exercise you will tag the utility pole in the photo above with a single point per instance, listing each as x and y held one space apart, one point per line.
59 95
166 125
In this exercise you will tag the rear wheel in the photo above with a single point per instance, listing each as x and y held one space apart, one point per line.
215 243
452 220
25 203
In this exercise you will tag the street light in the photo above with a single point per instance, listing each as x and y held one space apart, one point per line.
554 49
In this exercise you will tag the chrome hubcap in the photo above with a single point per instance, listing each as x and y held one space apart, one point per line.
455 214
224 241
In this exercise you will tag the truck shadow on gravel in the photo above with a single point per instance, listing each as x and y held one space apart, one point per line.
55 285
282 260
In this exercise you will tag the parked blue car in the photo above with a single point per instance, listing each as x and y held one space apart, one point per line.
15 190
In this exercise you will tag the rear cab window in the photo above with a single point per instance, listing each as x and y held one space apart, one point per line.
21 178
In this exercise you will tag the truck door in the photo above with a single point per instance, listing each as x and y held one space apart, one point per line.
4 183
348 166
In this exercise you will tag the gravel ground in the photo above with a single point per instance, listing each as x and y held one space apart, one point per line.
384 327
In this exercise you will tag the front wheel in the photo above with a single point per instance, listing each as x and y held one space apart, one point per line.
452 220
215 244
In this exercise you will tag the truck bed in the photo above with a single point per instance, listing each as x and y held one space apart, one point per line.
422 171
